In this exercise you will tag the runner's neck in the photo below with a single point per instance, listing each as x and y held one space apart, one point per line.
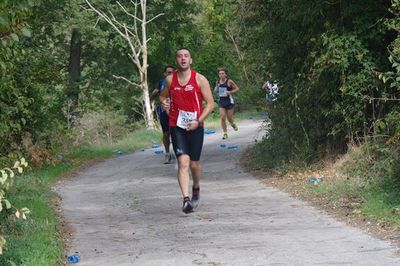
184 76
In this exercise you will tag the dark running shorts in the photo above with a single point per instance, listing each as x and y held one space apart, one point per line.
227 107
187 142
225 102
164 119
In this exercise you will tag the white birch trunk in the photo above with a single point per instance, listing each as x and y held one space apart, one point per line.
138 47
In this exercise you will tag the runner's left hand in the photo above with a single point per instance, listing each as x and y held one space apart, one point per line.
192 125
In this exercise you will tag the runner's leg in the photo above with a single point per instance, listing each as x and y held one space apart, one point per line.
196 173
180 143
183 174
229 115
222 114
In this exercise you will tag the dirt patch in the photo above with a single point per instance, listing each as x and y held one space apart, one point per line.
300 185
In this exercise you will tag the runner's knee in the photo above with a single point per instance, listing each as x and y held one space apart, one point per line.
184 161
195 165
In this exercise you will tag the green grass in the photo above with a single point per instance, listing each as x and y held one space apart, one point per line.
36 241
382 206
374 202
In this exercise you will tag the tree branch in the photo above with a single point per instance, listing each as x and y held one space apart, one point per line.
129 14
127 80
159 15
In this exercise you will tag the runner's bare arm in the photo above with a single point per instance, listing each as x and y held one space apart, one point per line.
155 92
204 86
232 84
216 86
165 93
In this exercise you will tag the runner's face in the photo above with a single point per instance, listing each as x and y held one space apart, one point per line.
222 74
169 71
183 59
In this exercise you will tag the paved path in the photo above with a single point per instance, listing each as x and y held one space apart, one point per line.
127 211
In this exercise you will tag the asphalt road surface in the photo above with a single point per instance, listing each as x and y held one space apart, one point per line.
127 211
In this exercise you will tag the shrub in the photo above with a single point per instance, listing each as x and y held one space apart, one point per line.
99 127
6 180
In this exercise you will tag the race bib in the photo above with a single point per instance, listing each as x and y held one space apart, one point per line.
222 92
184 118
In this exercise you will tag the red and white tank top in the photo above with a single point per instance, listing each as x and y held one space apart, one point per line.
186 98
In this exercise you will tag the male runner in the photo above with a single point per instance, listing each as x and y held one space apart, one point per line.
183 96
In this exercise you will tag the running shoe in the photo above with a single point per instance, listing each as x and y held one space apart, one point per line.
234 126
187 205
168 158
195 197
225 136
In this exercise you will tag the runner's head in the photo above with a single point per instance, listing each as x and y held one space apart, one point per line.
168 70
183 59
222 73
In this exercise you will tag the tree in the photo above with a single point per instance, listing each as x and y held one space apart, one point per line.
136 36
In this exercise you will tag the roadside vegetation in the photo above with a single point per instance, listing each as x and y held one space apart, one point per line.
337 116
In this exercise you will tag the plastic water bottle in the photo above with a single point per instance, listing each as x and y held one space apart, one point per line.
73 259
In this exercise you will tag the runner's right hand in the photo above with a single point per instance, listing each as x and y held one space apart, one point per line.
166 104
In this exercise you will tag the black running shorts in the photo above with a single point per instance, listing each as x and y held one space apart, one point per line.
187 142
164 119
227 107
225 102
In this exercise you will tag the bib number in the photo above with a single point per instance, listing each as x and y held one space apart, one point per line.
184 118
222 92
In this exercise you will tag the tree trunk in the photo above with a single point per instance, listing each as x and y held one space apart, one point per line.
74 67
146 96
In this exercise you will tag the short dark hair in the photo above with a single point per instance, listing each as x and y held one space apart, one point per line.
183 48
168 66
223 69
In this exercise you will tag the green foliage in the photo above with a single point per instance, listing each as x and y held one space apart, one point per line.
6 181
35 241
12 20
327 58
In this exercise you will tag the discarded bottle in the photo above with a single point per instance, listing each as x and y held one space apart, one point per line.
222 145
250 117
234 148
155 146
73 259
120 153
159 152
314 180
142 149
208 131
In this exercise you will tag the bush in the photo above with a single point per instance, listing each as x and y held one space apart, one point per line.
6 181
374 163
99 127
